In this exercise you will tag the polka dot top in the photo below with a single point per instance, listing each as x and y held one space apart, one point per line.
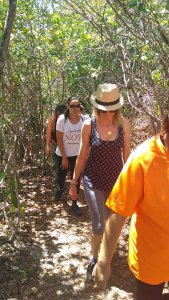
105 160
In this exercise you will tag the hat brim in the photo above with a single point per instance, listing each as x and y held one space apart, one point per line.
106 107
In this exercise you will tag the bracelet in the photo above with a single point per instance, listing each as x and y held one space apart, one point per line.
73 182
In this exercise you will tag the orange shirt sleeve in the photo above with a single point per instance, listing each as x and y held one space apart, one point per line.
128 189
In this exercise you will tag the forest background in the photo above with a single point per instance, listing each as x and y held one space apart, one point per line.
50 50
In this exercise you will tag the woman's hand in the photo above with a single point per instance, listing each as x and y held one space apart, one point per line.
48 151
73 192
65 163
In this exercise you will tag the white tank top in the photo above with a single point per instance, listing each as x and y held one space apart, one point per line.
71 135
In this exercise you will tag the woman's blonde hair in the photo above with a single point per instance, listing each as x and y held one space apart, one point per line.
117 116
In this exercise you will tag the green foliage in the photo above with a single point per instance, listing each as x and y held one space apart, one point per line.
2 175
141 7
14 200
10 195
6 193
61 50
133 3
167 4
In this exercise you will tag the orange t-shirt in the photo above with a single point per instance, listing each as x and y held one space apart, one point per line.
142 190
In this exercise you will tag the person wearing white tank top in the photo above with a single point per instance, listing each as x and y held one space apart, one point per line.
68 133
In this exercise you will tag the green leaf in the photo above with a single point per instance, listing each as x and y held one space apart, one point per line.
132 3
2 175
167 5
19 185
6 194
14 200
22 211
141 7
12 209
11 184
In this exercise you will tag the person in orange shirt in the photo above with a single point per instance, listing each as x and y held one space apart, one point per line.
141 191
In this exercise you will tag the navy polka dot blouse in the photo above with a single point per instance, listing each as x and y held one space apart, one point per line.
105 160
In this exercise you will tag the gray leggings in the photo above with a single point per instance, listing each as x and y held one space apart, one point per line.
99 212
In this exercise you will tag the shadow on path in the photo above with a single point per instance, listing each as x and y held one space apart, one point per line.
49 258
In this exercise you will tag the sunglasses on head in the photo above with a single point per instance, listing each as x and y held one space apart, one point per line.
105 111
74 105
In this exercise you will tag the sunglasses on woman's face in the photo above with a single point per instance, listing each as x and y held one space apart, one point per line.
105 111
74 105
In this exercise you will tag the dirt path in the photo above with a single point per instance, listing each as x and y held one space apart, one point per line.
49 258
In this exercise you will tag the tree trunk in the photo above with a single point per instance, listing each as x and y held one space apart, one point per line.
6 34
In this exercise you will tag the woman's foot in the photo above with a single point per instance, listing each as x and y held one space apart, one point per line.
90 268
58 194
75 209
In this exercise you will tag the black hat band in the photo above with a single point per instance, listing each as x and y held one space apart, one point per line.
107 103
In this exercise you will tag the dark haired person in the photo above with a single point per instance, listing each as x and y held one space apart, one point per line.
105 146
51 128
141 191
68 133
82 111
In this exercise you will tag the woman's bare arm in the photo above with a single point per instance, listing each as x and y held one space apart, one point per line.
49 135
82 157
59 137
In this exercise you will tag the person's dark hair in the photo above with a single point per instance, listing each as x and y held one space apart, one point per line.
71 98
81 107
60 109
165 124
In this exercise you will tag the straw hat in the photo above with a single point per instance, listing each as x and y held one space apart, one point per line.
107 97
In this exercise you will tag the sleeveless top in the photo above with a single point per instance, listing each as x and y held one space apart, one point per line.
105 161
71 135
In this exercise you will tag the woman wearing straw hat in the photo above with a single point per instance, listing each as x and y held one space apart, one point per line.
105 147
